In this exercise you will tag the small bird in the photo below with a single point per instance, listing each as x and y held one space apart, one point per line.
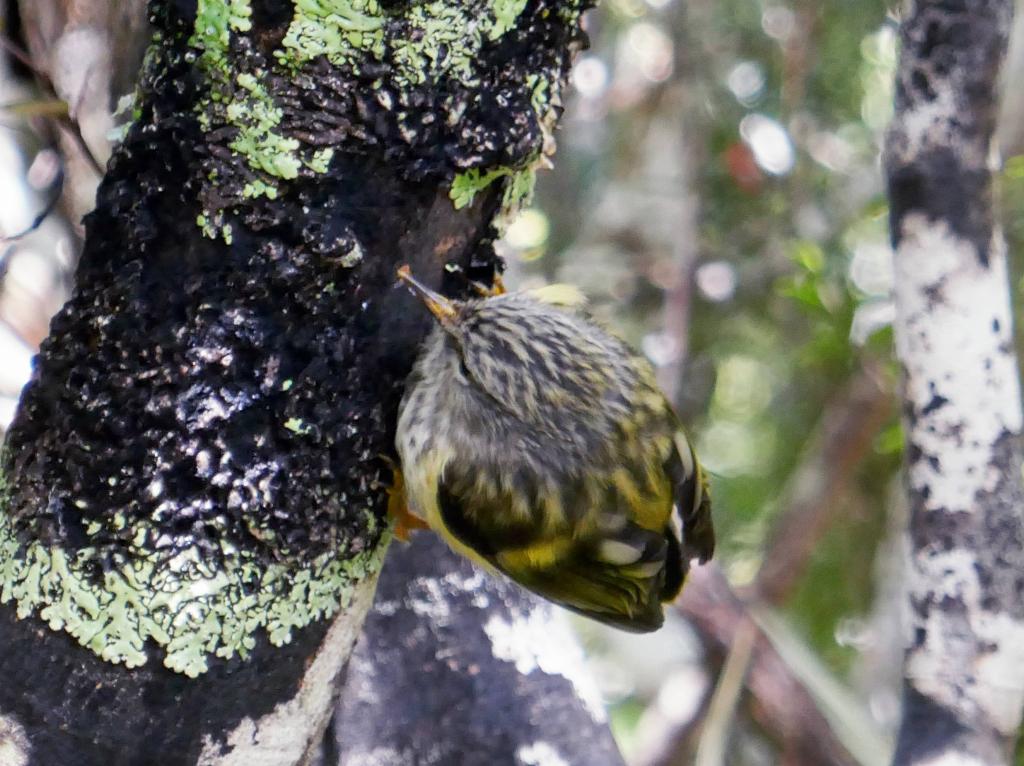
539 445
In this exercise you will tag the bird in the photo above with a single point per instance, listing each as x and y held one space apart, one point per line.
538 445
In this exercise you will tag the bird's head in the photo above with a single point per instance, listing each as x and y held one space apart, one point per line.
537 359
445 310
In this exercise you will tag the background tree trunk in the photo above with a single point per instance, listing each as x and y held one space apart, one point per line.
194 495
964 664
456 666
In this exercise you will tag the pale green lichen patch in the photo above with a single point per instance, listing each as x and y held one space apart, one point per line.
518 189
429 39
505 14
215 20
443 35
192 609
298 426
243 102
467 185
257 119
417 44
337 29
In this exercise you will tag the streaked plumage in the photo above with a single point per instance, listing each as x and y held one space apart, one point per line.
539 445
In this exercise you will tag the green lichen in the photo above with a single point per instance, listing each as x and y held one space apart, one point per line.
208 227
259 188
243 102
467 185
341 30
438 36
125 113
257 118
447 37
518 190
321 160
184 604
419 43
298 426
215 21
505 14
519 182
518 187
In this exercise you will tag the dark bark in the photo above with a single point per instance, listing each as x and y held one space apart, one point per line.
459 667
194 484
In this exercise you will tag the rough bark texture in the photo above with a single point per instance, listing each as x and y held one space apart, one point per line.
194 502
964 664
459 667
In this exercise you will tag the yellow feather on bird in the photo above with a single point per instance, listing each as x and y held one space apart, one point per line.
538 445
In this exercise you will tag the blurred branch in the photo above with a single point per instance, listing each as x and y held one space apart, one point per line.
55 110
681 104
685 246
88 53
799 55
41 216
847 716
844 436
781 705
1011 117
713 746
14 51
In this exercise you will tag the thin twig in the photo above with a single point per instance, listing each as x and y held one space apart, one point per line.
714 739
17 52
66 124
780 703
58 187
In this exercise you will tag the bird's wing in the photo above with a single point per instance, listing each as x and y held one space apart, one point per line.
616 576
691 516
618 581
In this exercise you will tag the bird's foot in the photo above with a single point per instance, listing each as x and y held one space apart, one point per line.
405 521
497 287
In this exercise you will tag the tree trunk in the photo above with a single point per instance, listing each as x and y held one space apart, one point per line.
964 663
194 494
459 667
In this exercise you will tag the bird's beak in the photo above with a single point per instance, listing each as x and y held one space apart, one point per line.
439 306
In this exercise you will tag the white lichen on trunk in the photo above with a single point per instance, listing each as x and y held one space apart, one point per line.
964 664
954 338
541 640
15 748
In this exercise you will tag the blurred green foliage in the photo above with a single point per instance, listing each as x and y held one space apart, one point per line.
771 179
783 110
